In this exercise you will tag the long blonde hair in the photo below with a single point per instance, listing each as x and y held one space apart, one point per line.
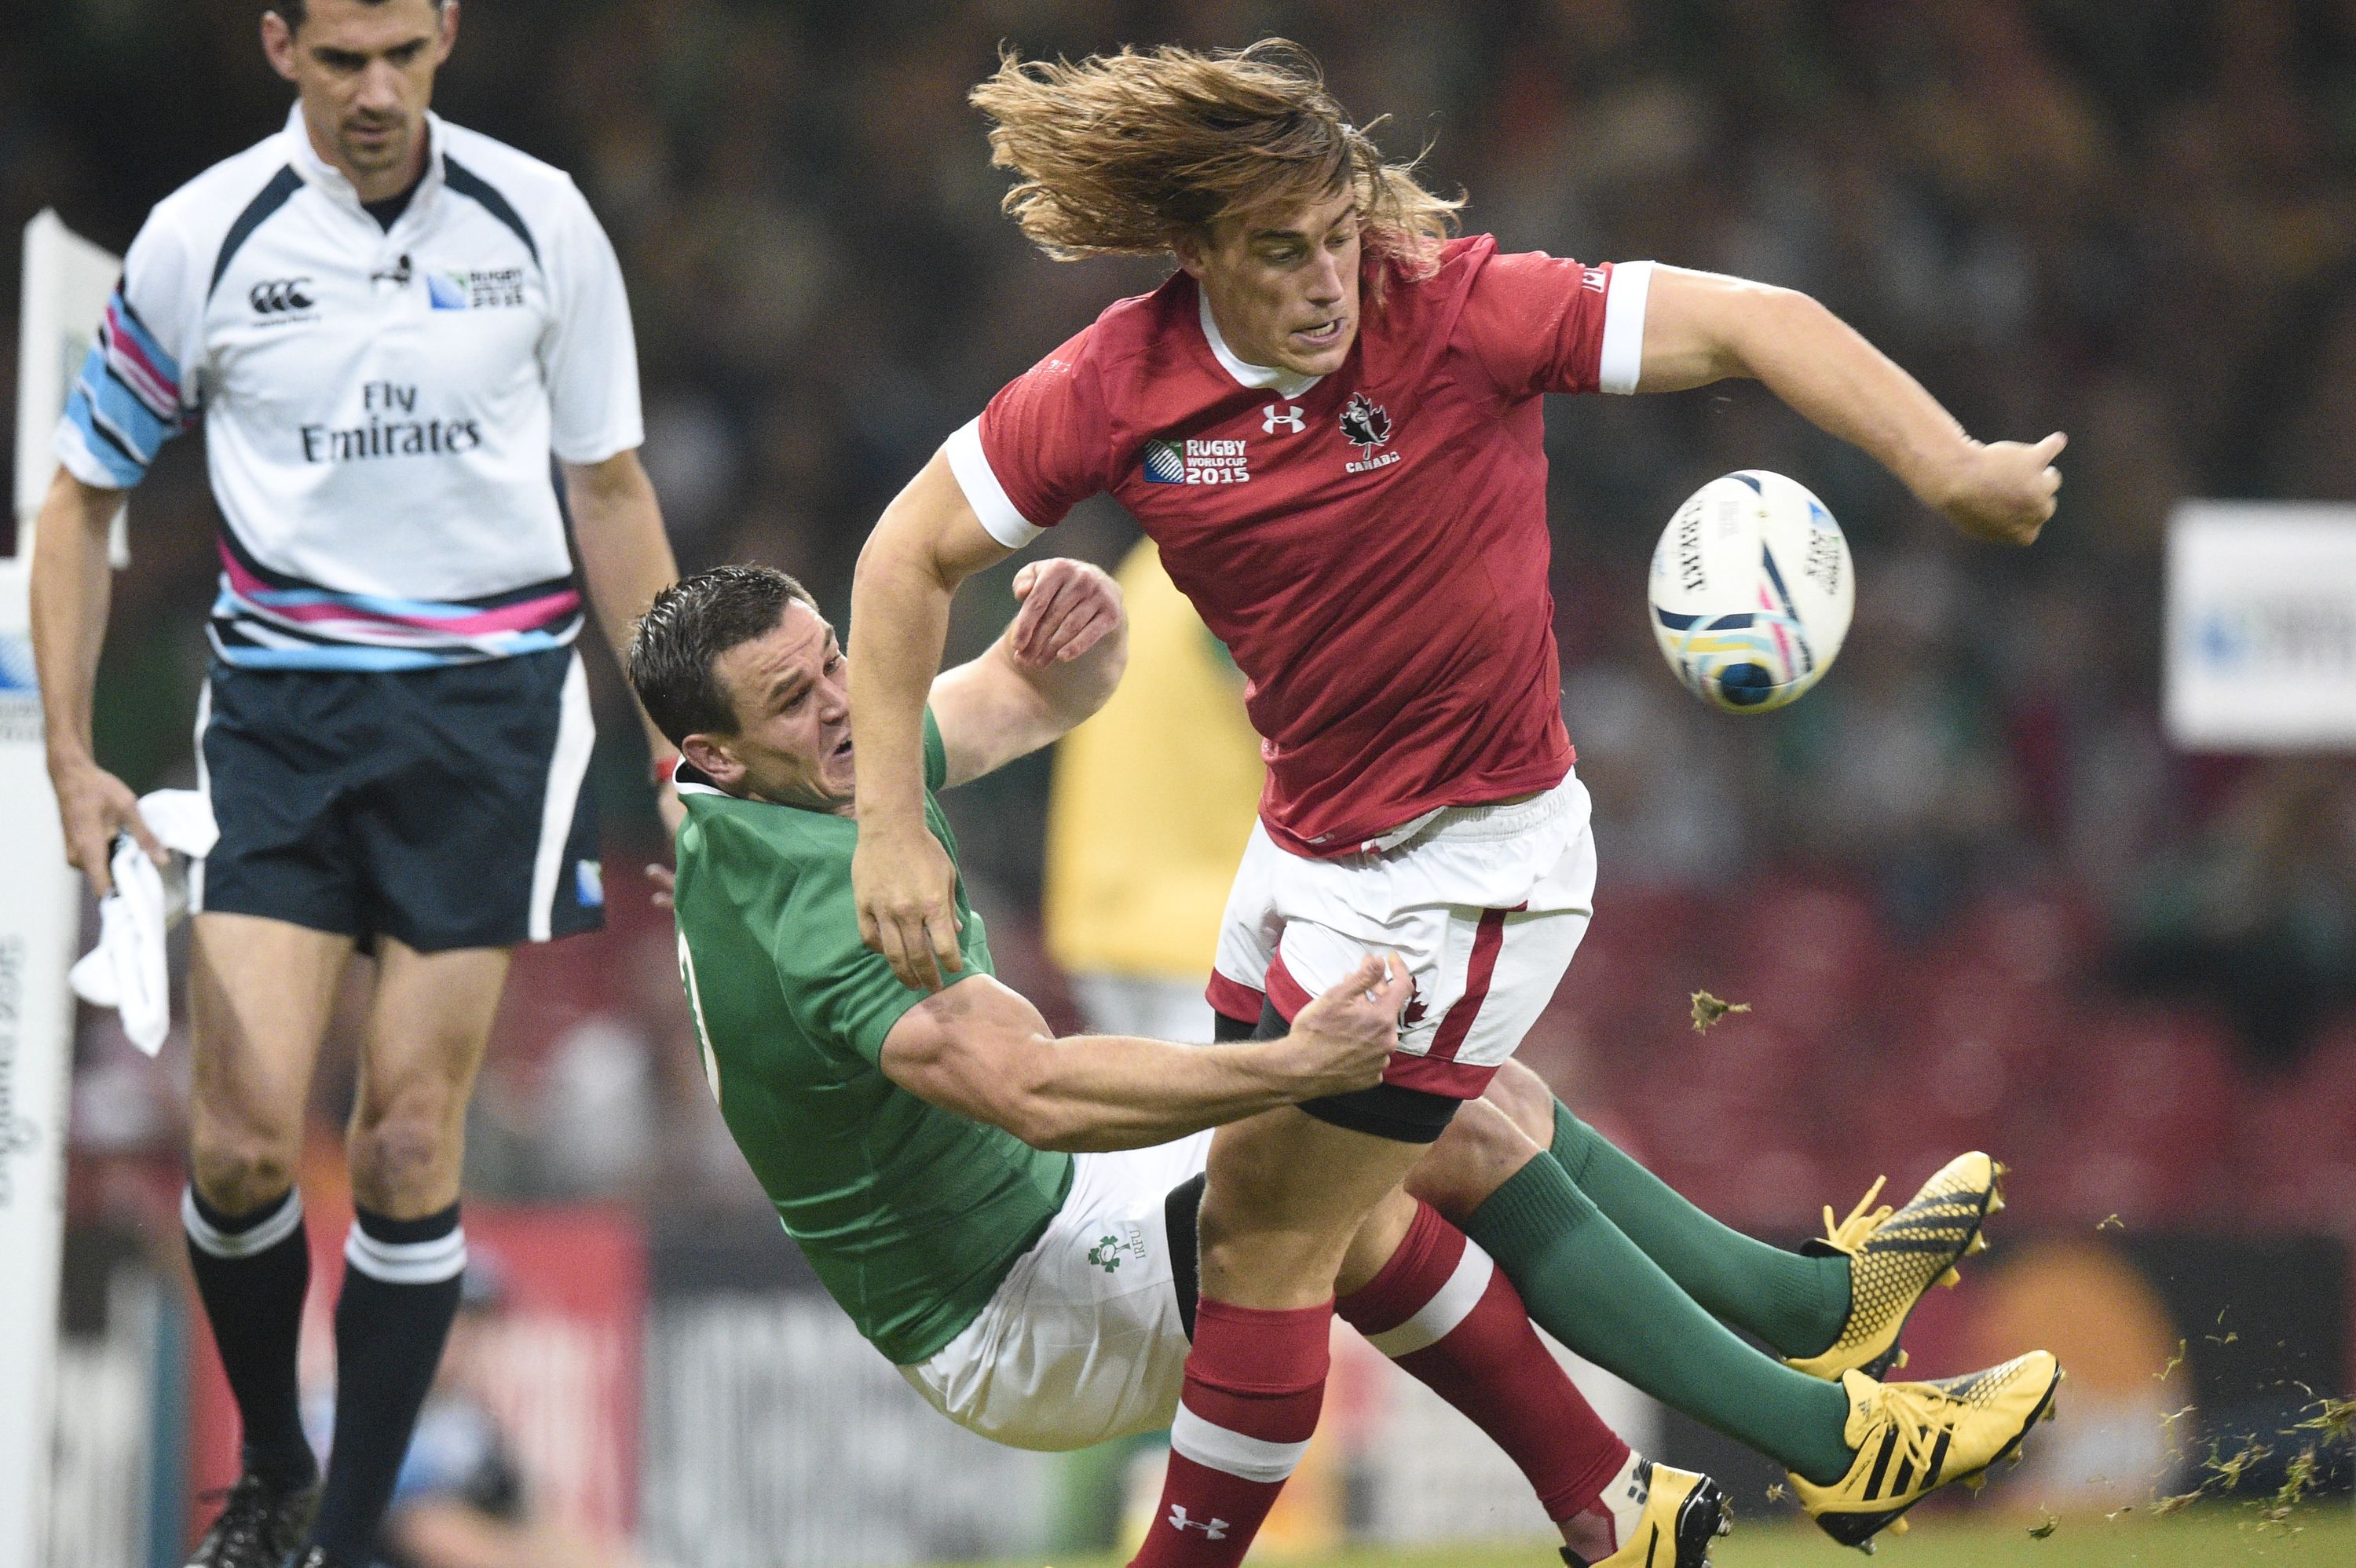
1122 154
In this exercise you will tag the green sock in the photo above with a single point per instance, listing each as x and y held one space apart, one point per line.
1795 1304
1589 1286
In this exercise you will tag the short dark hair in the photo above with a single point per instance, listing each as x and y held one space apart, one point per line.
688 627
295 13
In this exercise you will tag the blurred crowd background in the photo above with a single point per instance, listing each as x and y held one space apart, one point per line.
1969 892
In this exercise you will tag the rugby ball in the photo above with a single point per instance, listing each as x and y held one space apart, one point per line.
1750 591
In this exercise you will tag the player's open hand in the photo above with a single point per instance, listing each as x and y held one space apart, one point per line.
94 806
905 888
1348 1034
2003 491
1069 606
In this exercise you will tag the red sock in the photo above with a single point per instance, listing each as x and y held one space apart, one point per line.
1254 1382
1448 1316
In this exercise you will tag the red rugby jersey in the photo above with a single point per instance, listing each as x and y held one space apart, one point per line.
1370 545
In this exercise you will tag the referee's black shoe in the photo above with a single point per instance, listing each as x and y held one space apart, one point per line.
259 1525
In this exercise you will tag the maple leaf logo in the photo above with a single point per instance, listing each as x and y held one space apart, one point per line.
1365 424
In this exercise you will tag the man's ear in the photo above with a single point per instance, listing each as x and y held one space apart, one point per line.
709 756
278 44
1189 245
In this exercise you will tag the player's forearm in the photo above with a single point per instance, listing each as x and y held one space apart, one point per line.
1069 694
70 586
1830 375
1096 1092
626 556
981 1050
899 624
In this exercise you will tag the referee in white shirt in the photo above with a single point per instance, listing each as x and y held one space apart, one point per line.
390 325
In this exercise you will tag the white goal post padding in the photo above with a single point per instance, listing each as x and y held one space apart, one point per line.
65 282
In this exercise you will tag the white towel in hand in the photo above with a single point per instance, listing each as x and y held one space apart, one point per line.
126 970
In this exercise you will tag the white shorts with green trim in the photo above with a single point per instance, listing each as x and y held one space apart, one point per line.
1082 1341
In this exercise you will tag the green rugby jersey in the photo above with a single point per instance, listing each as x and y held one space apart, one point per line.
910 1215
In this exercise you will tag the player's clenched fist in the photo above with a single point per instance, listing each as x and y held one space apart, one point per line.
2003 491
1067 608
1346 1036
905 889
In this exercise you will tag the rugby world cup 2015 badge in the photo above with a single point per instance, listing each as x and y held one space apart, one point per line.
1165 461
483 288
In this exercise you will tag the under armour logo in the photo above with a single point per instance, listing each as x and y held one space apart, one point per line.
274 294
1213 1529
1290 419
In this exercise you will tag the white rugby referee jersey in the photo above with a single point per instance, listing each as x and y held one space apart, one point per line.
381 406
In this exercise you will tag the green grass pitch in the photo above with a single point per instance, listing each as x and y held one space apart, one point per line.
2214 1537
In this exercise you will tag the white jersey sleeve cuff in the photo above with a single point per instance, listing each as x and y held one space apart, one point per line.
73 453
1623 327
982 491
611 444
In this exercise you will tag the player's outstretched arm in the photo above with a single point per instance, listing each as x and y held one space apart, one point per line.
70 585
926 543
983 1051
626 558
1701 327
1056 663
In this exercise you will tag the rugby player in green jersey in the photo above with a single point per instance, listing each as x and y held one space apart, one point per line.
1008 1216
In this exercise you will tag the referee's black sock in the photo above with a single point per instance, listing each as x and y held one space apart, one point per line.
401 1291
251 1270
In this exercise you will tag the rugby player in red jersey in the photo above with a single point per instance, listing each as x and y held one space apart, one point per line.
1329 418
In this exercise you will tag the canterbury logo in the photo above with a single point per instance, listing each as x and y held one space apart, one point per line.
275 295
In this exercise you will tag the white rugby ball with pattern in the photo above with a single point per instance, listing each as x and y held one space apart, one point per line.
1751 591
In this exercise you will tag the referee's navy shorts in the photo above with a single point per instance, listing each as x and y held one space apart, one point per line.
441 808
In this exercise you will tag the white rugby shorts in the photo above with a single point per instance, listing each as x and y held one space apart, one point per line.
1485 903
1082 1342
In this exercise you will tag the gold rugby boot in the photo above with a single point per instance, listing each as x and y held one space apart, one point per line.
1683 1512
1913 1438
1894 1257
